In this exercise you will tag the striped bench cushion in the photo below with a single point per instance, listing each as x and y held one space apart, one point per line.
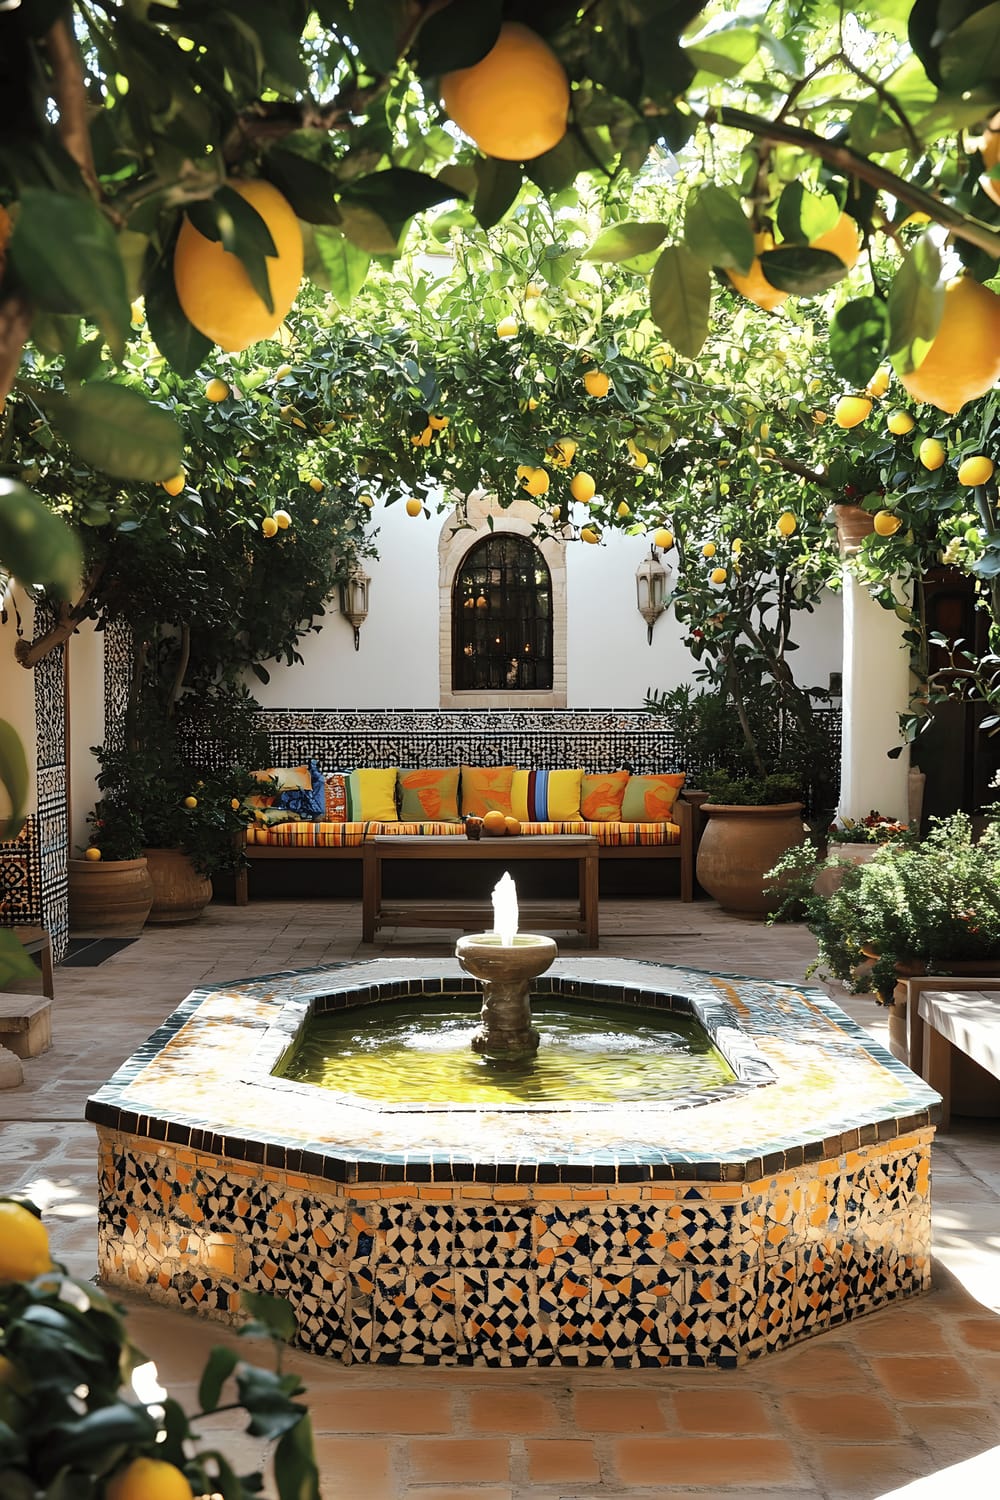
353 835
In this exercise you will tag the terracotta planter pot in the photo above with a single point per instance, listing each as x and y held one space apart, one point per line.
853 523
739 846
838 856
180 893
109 896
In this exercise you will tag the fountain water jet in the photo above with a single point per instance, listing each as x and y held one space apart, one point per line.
505 962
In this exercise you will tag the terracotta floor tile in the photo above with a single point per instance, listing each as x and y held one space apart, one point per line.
723 1411
561 1461
896 1329
457 1492
618 1411
384 1410
856 1418
441 1459
753 1462
979 1333
349 1467
821 1363
953 1433
869 1469
511 1411
921 1377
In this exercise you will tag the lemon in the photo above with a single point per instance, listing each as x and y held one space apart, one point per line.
708 550
366 501
235 804
213 288
190 801
819 417
513 102
588 534
494 822
507 328
886 523
216 389
269 526
850 410
562 452
663 538
975 470
315 483
282 520
281 372
785 525
92 852
963 362
718 575
556 512
931 453
536 482
148 1479
582 486
900 422
413 506
879 383
24 1244
596 383
753 284
175 485
640 459
531 291
622 510
841 241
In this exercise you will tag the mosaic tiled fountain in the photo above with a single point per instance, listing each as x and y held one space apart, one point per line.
682 1228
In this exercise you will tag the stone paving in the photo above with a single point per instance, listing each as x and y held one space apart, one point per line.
904 1403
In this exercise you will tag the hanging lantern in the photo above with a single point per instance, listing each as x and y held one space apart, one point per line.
354 600
651 590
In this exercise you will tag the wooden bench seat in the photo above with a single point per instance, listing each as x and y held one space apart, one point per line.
952 1022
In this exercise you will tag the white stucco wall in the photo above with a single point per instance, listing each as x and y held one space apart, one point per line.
610 664
84 727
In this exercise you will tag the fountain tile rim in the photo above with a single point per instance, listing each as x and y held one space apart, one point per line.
911 1106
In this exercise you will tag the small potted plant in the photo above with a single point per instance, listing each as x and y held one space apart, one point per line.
752 820
854 841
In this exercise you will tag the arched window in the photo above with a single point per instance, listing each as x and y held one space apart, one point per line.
501 617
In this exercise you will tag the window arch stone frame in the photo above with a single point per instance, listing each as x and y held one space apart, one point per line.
466 526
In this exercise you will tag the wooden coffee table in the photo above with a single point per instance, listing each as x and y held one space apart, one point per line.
476 913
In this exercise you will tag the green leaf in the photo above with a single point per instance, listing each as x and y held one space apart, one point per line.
680 297
717 230
859 336
118 431
333 262
497 185
177 340
726 53
265 1396
295 1464
66 253
374 27
218 1367
14 779
456 37
309 187
804 216
119 1423
970 55
397 193
622 241
367 230
800 270
272 1313
916 302
36 545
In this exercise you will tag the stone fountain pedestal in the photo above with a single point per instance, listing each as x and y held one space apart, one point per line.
506 971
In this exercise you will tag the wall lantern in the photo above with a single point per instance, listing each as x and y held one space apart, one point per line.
650 590
354 600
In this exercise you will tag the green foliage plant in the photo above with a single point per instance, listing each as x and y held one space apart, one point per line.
72 1416
930 902
751 791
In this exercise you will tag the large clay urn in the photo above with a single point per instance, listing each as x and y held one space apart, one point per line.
180 892
739 846
853 524
109 896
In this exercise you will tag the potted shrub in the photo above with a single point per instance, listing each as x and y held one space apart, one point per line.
751 822
110 889
854 841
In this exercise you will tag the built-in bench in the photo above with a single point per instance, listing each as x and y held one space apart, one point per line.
950 1024
595 740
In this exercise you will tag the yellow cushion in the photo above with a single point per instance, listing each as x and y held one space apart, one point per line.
429 795
650 799
601 796
546 796
371 794
486 789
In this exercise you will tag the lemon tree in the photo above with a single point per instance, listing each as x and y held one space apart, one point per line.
71 1423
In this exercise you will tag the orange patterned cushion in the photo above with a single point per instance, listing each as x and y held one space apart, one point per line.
431 795
650 799
486 789
601 796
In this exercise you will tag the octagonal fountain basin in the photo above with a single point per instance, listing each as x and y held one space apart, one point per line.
611 1222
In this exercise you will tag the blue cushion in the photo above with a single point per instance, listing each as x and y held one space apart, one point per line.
308 805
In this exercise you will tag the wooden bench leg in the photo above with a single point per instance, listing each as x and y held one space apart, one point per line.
937 1069
241 886
590 898
371 881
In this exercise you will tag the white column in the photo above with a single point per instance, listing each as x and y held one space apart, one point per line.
876 692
